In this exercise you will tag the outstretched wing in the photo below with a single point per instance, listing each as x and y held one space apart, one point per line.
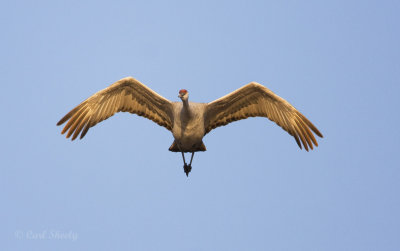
125 95
255 100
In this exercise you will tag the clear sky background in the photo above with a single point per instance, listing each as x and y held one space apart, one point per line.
120 188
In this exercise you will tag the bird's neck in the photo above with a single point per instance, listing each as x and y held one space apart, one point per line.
185 105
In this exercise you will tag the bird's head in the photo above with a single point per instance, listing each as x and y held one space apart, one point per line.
183 94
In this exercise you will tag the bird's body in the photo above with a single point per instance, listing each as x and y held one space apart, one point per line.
188 127
189 122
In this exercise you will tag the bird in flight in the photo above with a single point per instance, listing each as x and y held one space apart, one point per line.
188 121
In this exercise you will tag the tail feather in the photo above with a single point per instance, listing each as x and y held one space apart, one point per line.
196 148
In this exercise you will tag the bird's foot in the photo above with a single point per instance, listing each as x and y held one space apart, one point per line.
187 168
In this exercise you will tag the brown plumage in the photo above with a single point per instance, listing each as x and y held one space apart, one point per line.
126 95
255 100
188 121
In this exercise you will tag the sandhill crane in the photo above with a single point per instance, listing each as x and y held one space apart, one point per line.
189 122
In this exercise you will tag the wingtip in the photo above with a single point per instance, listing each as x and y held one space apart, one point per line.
317 132
60 122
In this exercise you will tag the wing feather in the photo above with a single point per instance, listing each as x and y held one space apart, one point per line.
86 127
76 123
125 95
255 100
81 123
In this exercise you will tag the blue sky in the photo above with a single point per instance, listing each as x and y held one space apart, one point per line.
254 189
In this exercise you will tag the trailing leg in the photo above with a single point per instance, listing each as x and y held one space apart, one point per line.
191 159
183 158
186 168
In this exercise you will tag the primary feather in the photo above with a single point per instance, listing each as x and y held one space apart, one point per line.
189 122
255 100
125 95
